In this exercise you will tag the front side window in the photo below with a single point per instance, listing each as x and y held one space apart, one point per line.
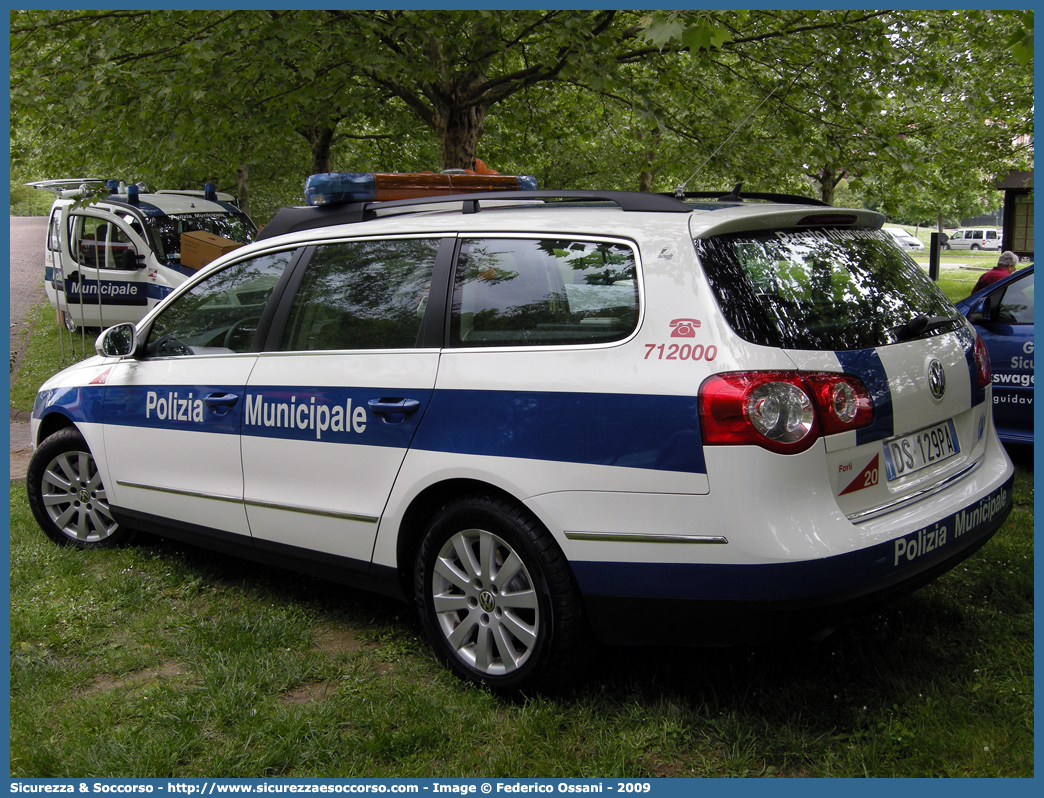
54 238
97 243
534 292
220 313
824 289
362 295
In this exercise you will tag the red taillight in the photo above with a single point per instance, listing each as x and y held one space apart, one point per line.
983 370
782 411
843 401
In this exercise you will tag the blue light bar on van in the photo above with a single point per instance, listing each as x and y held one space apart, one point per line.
132 194
334 188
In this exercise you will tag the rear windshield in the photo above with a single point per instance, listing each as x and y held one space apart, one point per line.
165 231
823 289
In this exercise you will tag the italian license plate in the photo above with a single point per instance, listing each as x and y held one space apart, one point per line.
910 453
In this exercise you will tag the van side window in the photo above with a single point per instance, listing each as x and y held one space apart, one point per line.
363 295
99 244
533 292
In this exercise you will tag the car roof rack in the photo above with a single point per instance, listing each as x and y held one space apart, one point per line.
292 220
739 196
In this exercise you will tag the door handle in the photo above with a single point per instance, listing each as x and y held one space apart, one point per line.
220 403
393 411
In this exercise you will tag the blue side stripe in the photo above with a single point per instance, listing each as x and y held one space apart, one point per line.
81 403
627 430
867 366
630 430
967 337
142 291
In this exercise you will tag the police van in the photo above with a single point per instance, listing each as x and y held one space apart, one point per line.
112 260
542 415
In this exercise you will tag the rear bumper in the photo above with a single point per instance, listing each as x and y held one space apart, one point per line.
688 603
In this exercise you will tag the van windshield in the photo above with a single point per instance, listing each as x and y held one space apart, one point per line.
165 231
823 289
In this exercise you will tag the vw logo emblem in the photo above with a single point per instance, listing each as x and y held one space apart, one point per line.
936 379
487 602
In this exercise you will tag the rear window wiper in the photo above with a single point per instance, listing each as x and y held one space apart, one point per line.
919 325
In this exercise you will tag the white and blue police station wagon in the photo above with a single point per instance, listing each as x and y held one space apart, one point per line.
113 260
538 415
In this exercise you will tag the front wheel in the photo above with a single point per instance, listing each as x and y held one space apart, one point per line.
496 597
67 496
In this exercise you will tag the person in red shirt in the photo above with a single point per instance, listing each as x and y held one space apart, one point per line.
1006 264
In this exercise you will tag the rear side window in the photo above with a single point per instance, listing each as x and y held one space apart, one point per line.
824 289
362 295
537 292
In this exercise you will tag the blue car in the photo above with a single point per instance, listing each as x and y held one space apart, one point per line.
1003 316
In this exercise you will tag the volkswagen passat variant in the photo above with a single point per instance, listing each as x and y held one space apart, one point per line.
537 415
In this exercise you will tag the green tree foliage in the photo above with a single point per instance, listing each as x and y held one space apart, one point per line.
782 99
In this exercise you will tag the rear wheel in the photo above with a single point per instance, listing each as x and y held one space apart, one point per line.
496 596
975 247
67 496
67 320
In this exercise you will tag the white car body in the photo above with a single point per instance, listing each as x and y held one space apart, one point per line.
905 239
668 533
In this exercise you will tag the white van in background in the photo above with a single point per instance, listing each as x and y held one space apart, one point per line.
974 238
111 261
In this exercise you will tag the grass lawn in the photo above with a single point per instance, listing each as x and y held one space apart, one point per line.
164 660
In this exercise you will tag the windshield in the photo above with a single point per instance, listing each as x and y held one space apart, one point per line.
165 231
823 289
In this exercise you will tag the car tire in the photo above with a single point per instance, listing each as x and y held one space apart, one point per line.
67 496
496 597
67 321
946 246
975 247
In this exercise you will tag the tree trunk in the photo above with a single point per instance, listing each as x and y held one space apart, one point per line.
459 130
320 140
243 188
827 183
645 177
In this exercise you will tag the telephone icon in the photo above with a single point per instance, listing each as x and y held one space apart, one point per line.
684 328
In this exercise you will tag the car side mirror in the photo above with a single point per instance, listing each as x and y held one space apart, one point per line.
985 310
118 341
